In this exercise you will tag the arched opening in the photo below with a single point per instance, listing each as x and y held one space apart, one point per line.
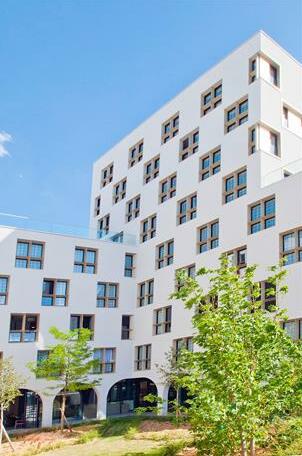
24 412
128 394
182 398
80 405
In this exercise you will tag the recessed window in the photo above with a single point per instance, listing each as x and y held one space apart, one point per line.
85 260
29 254
234 185
170 128
4 280
208 236
266 296
264 138
107 294
106 175
97 206
148 228
211 98
151 169
261 215
162 320
293 328
261 66
82 321
291 246
129 265
23 328
103 227
133 208
55 292
188 145
167 188
238 257
164 254
135 153
190 272
106 360
119 191
142 357
187 209
145 293
236 114
126 327
209 163
184 343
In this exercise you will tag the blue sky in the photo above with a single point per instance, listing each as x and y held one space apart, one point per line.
76 76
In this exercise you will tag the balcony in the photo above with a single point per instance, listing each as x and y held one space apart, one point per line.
27 224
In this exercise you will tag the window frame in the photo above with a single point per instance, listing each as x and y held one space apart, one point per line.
154 173
106 298
132 268
263 217
134 211
164 326
23 330
210 239
84 264
214 100
107 175
119 191
166 258
236 188
54 296
237 120
150 232
143 363
192 147
173 129
28 258
138 150
146 298
6 292
296 251
171 190
103 363
190 212
211 169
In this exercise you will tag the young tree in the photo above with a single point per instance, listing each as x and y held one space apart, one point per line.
247 370
69 364
10 384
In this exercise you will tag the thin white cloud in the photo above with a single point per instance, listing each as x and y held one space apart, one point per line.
4 138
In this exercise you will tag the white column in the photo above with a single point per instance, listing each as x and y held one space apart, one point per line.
162 391
47 405
102 402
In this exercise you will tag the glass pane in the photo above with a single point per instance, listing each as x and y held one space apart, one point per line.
256 212
78 268
48 286
22 249
216 157
21 263
242 178
231 114
243 107
79 255
15 337
36 250
170 248
269 207
61 288
60 302
128 261
100 303
101 289
291 327
2 300
35 264
29 336
203 234
112 291
90 256
229 184
90 269
31 322
74 322
16 322
3 284
288 242
215 229
47 301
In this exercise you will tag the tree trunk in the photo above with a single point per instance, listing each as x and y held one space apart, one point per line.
177 403
252 447
63 407
243 448
1 423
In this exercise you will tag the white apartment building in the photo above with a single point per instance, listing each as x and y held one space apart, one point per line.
217 169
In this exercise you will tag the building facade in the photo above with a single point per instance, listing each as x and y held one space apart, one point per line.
216 170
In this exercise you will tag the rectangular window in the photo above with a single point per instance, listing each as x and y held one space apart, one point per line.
188 145
274 140
126 327
133 208
135 153
234 185
184 343
186 209
253 143
4 281
119 191
211 98
164 254
142 357
266 296
291 246
263 138
97 206
151 169
106 360
167 188
23 327
29 254
103 227
107 294
170 128
55 292
293 328
162 320
106 175
190 272
209 163
129 265
82 321
236 114
261 66
148 228
85 260
208 236
145 293
238 257
261 215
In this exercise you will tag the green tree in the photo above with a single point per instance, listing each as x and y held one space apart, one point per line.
10 384
69 364
247 371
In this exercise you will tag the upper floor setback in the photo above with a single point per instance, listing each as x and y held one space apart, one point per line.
221 87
